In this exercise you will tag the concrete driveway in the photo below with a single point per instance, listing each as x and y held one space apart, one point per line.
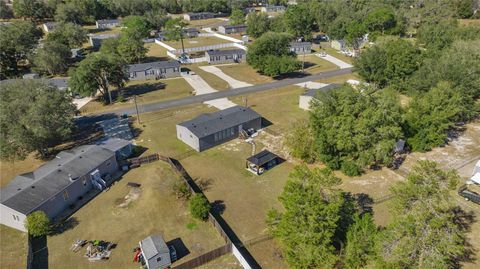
201 87
311 85
234 83
335 61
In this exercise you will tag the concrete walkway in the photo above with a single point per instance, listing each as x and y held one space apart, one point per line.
200 87
219 73
335 61
311 85
79 103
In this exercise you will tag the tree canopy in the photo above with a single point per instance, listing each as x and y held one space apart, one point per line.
37 224
34 116
199 206
270 54
237 17
299 21
52 58
69 34
355 128
174 30
96 73
257 24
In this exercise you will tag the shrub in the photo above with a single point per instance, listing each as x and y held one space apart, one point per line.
199 206
181 190
350 168
37 224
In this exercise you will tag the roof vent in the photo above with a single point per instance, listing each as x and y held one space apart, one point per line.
19 189
33 187
59 170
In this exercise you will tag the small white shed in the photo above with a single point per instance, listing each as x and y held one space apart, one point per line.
155 252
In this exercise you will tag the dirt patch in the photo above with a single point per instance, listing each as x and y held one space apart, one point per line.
132 195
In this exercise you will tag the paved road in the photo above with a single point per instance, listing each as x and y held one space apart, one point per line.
228 93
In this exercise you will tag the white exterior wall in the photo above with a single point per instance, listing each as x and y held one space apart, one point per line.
7 218
304 102
188 138
240 258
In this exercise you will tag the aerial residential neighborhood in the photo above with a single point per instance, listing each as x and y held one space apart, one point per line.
240 134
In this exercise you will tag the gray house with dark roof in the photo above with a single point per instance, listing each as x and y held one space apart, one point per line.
225 56
154 70
230 29
61 182
107 24
301 47
198 16
209 130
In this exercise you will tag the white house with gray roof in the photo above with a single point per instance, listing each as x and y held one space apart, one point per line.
301 47
155 252
231 29
154 70
225 56
107 24
307 97
211 129
61 182
198 16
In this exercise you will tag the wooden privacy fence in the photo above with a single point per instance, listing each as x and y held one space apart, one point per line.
205 257
136 162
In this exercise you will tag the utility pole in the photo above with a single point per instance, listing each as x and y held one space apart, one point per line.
303 62
245 100
136 108
109 94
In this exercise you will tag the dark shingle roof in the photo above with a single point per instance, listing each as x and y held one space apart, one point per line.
28 191
152 65
262 157
300 44
313 92
200 13
104 36
235 26
207 124
108 21
225 52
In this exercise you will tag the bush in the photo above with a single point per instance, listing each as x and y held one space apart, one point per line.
350 168
199 206
181 190
37 224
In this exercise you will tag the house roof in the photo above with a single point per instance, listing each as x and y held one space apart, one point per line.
300 44
116 128
104 36
190 30
210 123
262 157
200 13
108 21
225 52
234 26
60 83
313 92
153 245
28 191
152 65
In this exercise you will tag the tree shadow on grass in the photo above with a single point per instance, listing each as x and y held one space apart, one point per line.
39 252
140 89
60 227
180 247
218 206
465 221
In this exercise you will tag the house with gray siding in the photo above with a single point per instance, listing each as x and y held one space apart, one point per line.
225 56
301 47
272 8
230 29
96 40
61 182
107 24
198 16
154 70
212 129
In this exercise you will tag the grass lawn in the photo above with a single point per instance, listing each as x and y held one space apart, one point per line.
211 79
244 72
147 91
469 22
156 52
314 64
339 79
155 211
196 42
13 248
335 53
204 23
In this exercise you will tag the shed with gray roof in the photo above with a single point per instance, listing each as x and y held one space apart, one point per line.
211 129
59 183
154 70
155 252
225 56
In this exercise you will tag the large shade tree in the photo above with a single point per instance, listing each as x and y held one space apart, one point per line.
69 34
52 58
34 116
96 73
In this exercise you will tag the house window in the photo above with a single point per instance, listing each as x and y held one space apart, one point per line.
133 74
65 195
14 217
159 259
216 137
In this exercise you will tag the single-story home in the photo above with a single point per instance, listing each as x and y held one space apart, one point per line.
306 98
155 252
61 182
154 70
211 129
198 16
107 24
272 8
230 29
301 47
338 44
96 40
225 56
261 162
49 26
187 32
